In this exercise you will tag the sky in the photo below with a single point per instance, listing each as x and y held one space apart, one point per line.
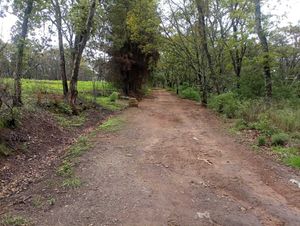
289 8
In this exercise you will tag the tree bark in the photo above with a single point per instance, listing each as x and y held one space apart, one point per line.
80 43
264 43
62 64
17 99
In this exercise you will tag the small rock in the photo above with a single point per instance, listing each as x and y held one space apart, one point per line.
295 182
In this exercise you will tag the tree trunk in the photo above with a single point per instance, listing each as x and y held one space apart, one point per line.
264 43
202 28
63 73
80 43
17 99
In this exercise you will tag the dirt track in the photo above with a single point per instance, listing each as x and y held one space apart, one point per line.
171 164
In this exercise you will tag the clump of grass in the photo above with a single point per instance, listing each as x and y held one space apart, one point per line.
9 220
114 96
66 169
4 150
280 139
37 201
112 125
293 161
106 103
67 121
51 201
289 155
80 147
72 183
261 141
240 124
286 119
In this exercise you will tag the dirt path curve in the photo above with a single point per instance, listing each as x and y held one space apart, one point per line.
171 164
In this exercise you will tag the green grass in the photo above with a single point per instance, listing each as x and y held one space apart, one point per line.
55 86
67 121
14 221
112 125
72 183
66 169
293 161
289 155
4 150
80 147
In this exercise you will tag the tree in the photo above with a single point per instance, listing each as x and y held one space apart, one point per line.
134 36
264 43
20 52
82 36
58 23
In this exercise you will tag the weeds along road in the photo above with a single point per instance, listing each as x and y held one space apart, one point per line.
171 164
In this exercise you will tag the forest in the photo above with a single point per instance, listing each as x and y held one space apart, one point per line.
135 71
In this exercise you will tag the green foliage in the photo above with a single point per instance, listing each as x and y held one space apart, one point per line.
240 124
10 118
286 119
264 125
4 150
9 220
72 183
279 139
109 105
227 104
261 141
112 124
293 161
189 93
67 121
51 201
114 96
66 169
80 147
289 155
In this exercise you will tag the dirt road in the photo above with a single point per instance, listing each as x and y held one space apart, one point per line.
171 164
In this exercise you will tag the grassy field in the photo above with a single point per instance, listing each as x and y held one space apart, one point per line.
55 86
97 91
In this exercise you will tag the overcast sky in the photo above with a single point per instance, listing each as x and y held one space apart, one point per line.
289 8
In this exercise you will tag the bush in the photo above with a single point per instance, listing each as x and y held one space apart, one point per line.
264 125
241 124
280 139
227 104
190 93
114 96
286 119
261 141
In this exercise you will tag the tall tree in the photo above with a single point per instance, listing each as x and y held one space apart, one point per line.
20 53
265 46
82 36
201 6
134 25
58 23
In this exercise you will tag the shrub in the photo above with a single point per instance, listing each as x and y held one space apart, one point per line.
279 139
264 125
227 104
190 93
286 119
261 141
241 124
251 110
114 96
